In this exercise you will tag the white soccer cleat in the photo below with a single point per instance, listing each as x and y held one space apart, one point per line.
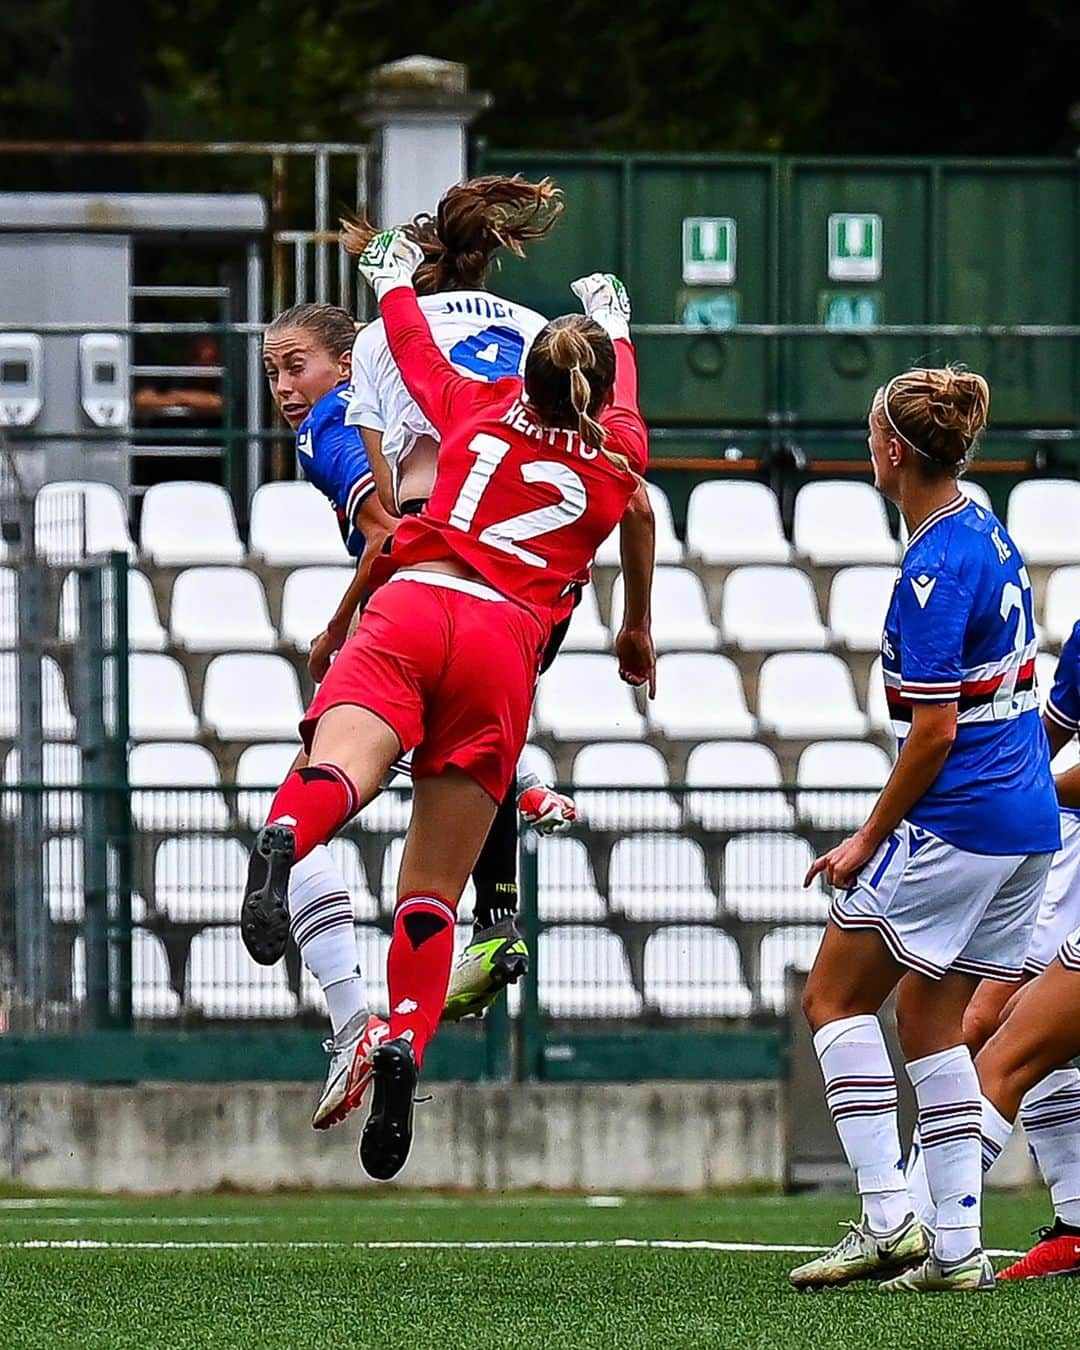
973 1275
350 1067
863 1255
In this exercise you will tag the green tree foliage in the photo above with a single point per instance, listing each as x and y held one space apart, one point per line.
833 76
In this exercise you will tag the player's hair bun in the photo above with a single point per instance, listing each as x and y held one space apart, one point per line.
939 411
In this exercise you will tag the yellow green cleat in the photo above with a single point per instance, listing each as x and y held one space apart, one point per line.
495 957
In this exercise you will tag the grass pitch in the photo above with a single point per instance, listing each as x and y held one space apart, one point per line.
391 1269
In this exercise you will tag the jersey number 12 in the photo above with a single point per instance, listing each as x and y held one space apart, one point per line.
508 535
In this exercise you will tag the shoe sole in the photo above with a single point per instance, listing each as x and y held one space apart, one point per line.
335 1114
387 1136
264 914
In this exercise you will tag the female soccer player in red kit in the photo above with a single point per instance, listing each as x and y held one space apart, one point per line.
533 475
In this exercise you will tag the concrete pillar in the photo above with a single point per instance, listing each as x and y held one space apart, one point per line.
420 110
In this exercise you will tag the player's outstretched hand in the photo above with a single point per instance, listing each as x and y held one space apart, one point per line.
604 298
547 811
389 261
323 650
843 863
636 656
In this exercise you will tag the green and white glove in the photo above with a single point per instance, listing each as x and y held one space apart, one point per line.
389 261
604 298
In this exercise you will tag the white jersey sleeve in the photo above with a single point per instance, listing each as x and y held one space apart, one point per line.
484 336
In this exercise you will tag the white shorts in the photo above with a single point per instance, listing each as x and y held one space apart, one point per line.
939 908
1059 913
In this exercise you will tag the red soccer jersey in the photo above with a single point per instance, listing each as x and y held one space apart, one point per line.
523 505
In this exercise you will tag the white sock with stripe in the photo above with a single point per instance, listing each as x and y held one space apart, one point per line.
947 1091
860 1088
322 928
1050 1115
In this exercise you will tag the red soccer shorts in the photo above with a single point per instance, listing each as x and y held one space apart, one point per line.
450 666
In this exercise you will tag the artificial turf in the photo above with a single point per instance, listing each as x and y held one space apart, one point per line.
291 1271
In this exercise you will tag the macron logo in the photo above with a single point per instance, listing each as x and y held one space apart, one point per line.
304 445
923 586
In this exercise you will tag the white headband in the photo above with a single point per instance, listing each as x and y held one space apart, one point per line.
907 439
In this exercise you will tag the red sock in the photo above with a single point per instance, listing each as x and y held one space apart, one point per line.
418 966
315 802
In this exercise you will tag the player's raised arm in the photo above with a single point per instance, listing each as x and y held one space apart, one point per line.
605 300
442 394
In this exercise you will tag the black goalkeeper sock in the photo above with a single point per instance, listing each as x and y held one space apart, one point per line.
495 873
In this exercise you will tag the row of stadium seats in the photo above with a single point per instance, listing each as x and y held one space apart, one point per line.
731 785
651 878
249 696
581 972
762 608
727 522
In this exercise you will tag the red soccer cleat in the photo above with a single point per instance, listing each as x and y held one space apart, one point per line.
1057 1252
350 1068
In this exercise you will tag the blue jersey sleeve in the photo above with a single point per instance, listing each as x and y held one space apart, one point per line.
333 458
1063 705
934 609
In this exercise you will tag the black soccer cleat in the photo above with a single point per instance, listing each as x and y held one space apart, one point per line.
264 915
387 1136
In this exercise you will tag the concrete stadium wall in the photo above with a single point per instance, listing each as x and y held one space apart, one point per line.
191 1137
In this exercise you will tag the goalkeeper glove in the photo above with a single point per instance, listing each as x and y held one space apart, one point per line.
389 261
546 810
603 298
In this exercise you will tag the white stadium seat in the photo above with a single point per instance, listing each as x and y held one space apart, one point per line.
842 523
1061 609
583 972
372 945
725 774
145 632
877 705
846 766
260 771
62 876
391 867
808 694
1042 519
152 995
57 721
187 523
61 808
9 608
660 876
792 946
293 525
623 767
346 853
391 810
536 760
223 980
977 493
693 971
73 520
735 523
565 885
171 768
699 696
680 612
220 609
858 603
771 609
587 632
763 878
581 698
250 696
158 698
199 877
668 548
310 597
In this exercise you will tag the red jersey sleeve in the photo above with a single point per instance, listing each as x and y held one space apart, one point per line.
622 419
443 394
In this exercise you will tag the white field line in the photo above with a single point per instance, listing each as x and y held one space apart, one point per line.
585 1244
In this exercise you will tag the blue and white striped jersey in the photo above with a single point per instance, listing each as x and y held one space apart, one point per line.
332 457
961 629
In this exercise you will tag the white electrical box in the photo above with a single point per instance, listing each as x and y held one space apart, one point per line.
104 379
20 378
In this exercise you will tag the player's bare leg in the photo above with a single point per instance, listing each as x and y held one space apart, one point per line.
451 818
350 754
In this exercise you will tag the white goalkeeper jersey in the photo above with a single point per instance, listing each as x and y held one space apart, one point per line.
482 335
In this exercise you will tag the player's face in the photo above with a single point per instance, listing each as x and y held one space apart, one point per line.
886 475
300 371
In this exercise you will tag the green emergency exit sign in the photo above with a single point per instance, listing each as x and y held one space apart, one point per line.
854 247
708 250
